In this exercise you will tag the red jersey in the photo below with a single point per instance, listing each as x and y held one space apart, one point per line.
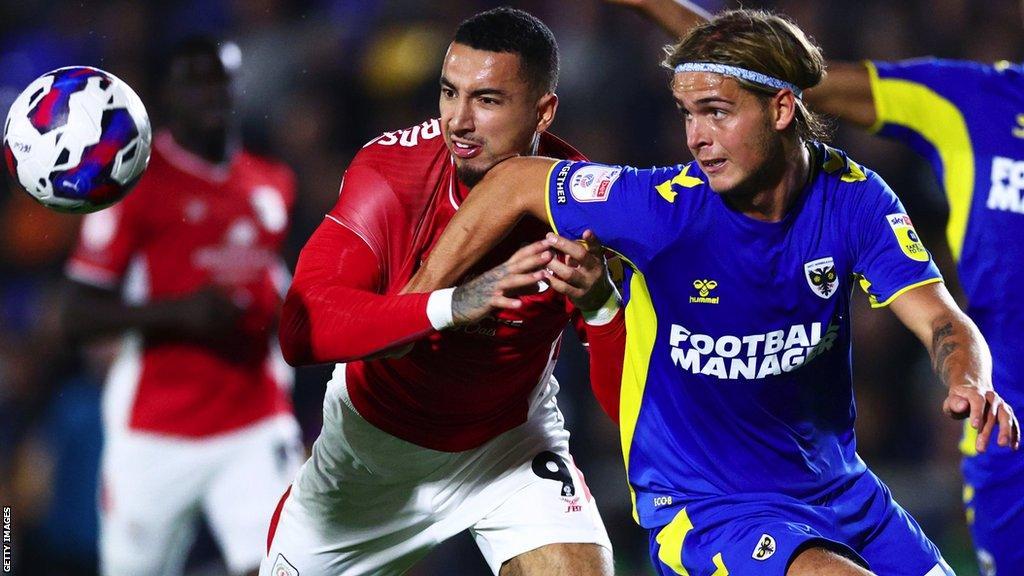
187 225
454 389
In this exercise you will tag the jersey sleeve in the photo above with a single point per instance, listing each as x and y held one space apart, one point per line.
364 205
890 258
633 212
607 347
333 313
918 102
107 241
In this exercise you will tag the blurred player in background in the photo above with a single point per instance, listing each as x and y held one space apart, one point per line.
441 415
965 119
736 407
196 411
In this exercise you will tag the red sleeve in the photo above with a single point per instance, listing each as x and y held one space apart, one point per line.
107 241
332 312
607 351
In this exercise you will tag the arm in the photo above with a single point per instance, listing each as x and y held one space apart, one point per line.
675 17
607 346
91 312
584 278
845 92
514 188
961 358
334 312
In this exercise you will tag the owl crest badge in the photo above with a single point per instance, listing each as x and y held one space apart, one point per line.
821 277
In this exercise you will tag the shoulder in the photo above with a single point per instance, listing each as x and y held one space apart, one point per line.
847 182
415 145
270 170
944 74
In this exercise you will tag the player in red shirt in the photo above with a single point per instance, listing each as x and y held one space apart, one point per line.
196 415
441 414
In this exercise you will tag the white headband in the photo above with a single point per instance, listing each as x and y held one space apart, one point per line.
736 71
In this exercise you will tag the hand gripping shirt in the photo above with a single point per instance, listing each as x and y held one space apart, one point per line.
737 371
967 120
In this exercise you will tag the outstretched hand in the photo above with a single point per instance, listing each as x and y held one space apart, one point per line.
986 409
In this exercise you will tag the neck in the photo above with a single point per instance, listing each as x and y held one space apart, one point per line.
783 179
210 147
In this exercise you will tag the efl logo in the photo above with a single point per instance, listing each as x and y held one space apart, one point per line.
764 549
593 183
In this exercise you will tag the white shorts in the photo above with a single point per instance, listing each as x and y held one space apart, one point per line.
367 502
155 487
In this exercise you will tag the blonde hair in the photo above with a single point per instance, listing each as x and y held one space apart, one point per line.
763 42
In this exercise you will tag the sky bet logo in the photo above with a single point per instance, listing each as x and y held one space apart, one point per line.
1007 192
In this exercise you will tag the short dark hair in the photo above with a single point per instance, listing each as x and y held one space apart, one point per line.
512 30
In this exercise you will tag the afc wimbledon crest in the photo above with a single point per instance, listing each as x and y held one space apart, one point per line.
821 276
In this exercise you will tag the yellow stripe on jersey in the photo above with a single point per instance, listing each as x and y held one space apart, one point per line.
969 441
876 304
547 198
670 542
720 569
641 329
938 121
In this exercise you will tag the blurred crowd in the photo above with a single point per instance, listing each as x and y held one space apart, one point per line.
319 78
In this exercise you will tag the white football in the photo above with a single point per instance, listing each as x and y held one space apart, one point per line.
77 139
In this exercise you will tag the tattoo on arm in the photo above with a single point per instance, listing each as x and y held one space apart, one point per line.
941 349
471 298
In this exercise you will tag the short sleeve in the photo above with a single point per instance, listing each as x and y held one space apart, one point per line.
890 257
107 242
633 212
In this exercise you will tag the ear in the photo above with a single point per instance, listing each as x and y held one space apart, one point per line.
783 109
546 107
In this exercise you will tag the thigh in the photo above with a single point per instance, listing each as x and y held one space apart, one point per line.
545 517
372 530
149 504
815 560
883 533
582 559
363 503
747 534
256 465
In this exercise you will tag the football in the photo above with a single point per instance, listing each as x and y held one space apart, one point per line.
77 139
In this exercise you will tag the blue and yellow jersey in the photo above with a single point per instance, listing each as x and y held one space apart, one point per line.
737 371
967 119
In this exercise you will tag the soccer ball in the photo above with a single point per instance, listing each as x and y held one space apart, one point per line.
77 139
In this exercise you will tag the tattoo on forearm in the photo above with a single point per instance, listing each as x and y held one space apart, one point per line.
472 297
941 349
